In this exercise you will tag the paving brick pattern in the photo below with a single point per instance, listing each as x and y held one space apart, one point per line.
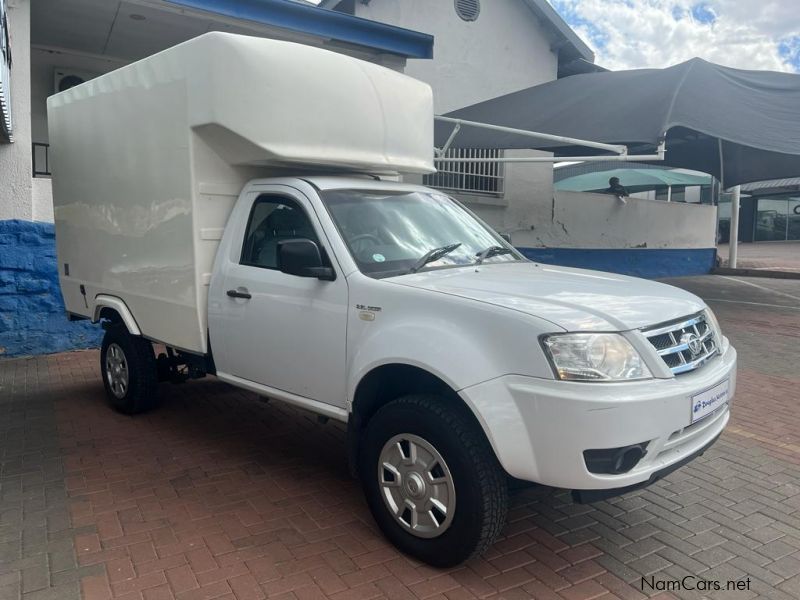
37 559
774 256
220 495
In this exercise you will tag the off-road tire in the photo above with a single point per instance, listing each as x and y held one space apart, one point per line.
480 483
141 394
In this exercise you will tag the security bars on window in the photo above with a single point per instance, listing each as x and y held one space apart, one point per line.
487 176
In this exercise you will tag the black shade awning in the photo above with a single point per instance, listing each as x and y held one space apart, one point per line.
694 106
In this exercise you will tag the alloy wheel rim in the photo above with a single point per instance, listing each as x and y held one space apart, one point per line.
416 485
117 370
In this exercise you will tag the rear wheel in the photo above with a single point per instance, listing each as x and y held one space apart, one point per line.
130 375
432 481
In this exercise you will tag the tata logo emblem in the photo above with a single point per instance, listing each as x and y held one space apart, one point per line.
692 341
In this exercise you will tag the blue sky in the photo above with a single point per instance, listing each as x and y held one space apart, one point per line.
748 34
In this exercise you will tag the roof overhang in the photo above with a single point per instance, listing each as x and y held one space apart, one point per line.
571 47
308 19
790 185
578 67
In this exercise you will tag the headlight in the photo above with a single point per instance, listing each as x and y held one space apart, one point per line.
594 357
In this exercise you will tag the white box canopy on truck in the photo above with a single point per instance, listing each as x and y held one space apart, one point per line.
148 160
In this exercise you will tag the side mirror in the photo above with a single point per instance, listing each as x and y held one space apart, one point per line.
301 257
506 237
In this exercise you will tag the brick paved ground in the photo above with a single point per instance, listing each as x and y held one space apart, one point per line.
219 495
774 256
36 537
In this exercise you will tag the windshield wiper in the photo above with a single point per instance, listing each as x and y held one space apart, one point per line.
490 252
433 255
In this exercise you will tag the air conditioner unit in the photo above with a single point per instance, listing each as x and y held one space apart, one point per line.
65 78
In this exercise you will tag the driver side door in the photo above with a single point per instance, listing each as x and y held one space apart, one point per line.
279 330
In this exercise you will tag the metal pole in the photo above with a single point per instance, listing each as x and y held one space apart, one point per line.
669 193
542 136
552 159
734 235
449 141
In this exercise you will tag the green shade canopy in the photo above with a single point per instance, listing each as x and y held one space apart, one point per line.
632 179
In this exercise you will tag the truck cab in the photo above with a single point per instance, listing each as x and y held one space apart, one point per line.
589 381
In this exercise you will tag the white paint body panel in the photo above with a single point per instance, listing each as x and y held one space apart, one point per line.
291 334
102 301
574 299
539 428
148 160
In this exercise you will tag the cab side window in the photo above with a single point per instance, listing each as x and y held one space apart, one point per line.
272 219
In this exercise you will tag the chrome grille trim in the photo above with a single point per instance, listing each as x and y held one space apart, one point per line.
680 347
650 332
676 353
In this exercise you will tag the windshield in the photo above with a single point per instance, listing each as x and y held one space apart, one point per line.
388 233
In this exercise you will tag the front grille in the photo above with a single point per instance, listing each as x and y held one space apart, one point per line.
684 345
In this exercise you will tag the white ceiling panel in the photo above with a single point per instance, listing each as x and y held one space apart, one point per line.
81 25
136 38
134 29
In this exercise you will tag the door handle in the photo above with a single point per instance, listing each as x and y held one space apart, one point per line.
237 294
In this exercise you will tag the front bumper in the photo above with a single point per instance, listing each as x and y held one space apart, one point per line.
589 496
540 428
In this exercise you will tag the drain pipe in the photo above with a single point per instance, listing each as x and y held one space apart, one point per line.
733 248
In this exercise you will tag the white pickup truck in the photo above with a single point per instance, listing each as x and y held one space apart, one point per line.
209 199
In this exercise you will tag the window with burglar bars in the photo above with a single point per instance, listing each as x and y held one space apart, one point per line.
483 177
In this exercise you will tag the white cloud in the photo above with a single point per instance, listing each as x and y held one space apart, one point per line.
747 34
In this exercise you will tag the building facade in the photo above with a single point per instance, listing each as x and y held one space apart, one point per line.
489 48
467 50
485 49
53 44
769 212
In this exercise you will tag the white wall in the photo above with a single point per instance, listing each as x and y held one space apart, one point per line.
42 199
21 196
504 50
526 202
15 158
585 220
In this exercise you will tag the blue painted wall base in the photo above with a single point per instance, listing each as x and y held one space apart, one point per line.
639 262
32 317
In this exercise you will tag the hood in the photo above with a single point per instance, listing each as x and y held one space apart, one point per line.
574 299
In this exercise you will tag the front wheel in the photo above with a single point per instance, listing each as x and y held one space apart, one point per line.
432 481
130 375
